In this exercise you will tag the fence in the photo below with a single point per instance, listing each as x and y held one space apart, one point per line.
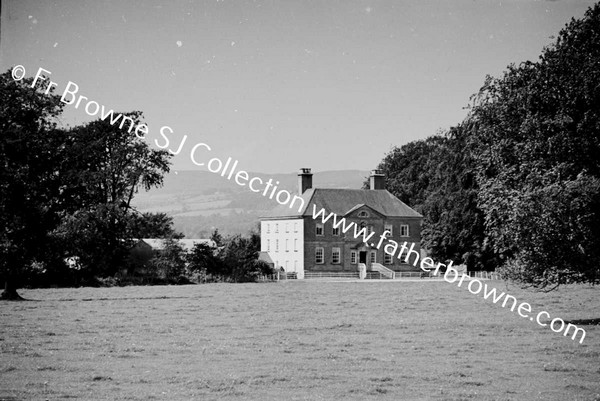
485 275
331 275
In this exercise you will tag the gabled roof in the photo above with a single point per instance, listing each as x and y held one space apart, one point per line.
341 201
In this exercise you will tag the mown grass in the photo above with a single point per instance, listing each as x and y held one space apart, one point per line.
294 341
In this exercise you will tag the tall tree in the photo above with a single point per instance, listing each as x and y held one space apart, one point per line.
436 177
536 137
30 189
110 165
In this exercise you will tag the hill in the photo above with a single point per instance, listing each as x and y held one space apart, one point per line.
201 201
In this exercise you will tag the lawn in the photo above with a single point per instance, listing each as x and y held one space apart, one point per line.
296 340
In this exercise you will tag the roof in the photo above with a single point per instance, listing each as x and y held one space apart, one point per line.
186 243
342 201
264 256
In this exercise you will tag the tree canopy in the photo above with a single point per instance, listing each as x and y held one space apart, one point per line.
516 185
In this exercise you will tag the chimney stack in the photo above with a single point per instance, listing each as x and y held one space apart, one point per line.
377 180
304 180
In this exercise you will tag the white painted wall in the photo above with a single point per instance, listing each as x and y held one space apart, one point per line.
286 231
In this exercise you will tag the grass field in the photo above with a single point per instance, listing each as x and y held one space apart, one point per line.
302 340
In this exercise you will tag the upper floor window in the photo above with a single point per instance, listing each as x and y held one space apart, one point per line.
369 229
363 213
389 227
287 242
335 231
295 244
276 227
268 245
268 228
295 227
319 230
287 227
276 245
404 230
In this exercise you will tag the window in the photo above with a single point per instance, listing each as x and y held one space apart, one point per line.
373 257
268 245
389 227
295 265
276 227
369 229
295 227
287 267
335 255
319 229
353 257
387 258
363 213
404 230
287 245
268 228
295 244
402 256
319 255
276 245
335 231
287 227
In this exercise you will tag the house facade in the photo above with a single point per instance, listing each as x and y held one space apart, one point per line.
297 242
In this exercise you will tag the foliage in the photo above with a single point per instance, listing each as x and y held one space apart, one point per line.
202 259
108 167
30 154
436 177
151 225
535 133
169 263
239 258
217 237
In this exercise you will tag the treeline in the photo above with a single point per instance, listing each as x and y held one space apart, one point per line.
66 216
233 259
515 187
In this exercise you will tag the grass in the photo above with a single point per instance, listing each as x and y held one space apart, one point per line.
303 340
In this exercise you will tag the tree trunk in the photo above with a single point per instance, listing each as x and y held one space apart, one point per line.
10 292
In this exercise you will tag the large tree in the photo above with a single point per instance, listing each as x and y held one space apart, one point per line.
436 177
30 176
109 166
535 133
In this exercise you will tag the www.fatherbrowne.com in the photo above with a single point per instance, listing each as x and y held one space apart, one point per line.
427 264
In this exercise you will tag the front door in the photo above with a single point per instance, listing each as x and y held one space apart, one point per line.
362 257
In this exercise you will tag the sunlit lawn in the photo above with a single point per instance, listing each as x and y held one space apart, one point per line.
294 341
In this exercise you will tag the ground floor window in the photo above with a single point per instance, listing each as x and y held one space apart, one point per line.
387 258
319 255
373 257
353 257
335 255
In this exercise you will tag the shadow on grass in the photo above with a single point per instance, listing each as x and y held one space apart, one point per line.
120 299
584 322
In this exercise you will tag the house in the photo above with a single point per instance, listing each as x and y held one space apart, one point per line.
297 242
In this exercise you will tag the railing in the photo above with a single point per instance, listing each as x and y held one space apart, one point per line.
486 275
388 273
412 274
331 275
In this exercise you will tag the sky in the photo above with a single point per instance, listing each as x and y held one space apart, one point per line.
280 85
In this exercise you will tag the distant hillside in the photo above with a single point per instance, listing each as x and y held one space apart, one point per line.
200 201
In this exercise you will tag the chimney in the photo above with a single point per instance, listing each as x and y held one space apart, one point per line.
304 180
377 180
